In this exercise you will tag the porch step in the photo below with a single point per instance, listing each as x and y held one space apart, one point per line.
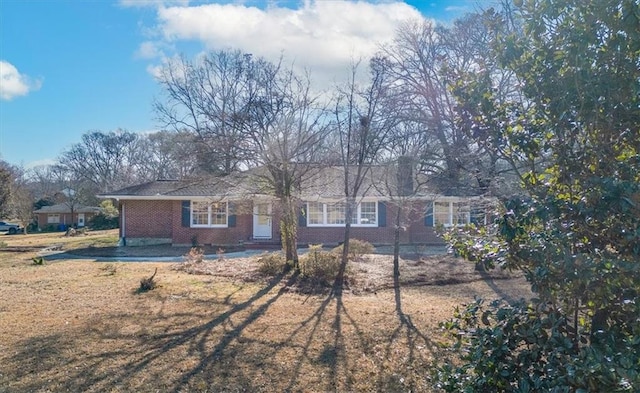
267 244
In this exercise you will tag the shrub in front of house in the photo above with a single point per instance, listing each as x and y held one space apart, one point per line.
102 221
357 248
272 263
320 265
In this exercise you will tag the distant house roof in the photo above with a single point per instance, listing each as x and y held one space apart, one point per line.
65 208
318 183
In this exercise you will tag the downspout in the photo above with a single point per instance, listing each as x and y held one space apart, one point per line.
123 237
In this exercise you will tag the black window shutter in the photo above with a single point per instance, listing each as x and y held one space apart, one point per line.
302 216
231 220
382 214
186 214
428 216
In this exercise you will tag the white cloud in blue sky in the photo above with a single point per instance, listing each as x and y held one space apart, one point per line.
458 8
322 36
13 83
100 57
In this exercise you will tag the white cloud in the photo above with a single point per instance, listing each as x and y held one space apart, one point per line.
155 70
323 36
13 83
39 163
461 9
149 50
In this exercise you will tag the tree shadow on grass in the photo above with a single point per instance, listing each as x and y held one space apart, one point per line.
57 362
227 347
413 338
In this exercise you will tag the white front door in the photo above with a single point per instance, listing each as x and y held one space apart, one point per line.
262 221
80 220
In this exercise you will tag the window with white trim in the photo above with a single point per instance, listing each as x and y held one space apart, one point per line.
367 213
209 214
53 219
451 213
334 214
315 213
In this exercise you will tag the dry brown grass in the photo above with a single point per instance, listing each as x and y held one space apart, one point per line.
76 325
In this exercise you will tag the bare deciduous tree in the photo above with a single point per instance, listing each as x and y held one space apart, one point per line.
106 160
363 123
287 132
166 155
426 64
5 182
211 98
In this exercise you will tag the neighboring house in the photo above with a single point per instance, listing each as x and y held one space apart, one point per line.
233 210
59 216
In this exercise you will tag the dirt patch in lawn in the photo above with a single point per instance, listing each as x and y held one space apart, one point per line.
79 325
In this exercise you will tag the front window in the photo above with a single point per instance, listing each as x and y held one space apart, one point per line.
208 214
53 219
334 214
450 213
460 213
315 213
368 213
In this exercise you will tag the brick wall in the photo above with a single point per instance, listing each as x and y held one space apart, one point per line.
147 219
216 236
163 219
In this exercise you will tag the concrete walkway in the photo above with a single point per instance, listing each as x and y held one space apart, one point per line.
60 255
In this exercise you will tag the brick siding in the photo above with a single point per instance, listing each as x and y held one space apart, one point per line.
163 219
147 219
212 236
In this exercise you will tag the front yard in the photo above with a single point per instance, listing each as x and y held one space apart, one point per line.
80 325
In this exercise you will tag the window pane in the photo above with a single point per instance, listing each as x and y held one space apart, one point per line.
461 213
441 213
53 219
219 214
314 213
368 213
199 213
335 213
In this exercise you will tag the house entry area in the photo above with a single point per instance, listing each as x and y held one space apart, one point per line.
262 221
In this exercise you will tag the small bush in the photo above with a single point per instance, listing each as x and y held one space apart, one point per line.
357 248
194 262
271 264
149 283
102 221
195 255
320 265
38 261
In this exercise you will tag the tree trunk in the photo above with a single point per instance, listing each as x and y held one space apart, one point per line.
347 236
289 231
396 243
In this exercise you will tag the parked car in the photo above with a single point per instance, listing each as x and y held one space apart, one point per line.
7 227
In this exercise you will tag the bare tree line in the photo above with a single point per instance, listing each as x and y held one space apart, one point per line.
230 111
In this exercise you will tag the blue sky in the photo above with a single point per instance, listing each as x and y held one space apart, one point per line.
67 67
